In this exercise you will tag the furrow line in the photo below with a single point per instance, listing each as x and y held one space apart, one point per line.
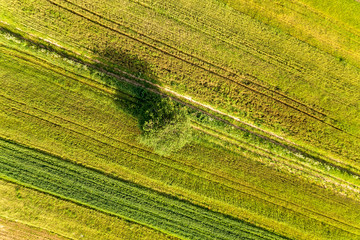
195 57
291 148
45 175
283 62
203 68
198 176
235 190
194 208
224 30
284 161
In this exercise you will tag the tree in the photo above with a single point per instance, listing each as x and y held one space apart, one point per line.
166 126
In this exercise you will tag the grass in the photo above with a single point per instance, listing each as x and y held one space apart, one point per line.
14 230
227 75
120 198
64 96
331 26
32 115
70 220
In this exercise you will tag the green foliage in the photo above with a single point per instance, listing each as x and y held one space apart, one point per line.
165 125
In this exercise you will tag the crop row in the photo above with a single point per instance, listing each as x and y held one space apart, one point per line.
115 196
75 74
85 80
155 168
125 24
267 111
283 102
223 186
66 218
284 163
294 127
91 132
173 12
326 23
194 60
91 81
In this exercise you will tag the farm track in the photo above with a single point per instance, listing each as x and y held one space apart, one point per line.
285 64
238 13
189 62
289 147
88 133
275 135
253 77
129 95
152 90
259 129
154 205
212 175
147 152
198 58
276 58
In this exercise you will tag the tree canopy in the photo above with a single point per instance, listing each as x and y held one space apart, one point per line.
165 125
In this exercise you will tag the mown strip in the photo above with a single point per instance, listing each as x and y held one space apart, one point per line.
121 198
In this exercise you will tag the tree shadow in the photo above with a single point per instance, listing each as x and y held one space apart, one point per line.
164 123
117 58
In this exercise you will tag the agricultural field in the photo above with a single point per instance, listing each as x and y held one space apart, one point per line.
147 119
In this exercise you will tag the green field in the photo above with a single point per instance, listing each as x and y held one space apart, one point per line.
67 219
273 108
121 198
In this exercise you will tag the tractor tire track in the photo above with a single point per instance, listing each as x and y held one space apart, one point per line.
291 147
198 66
